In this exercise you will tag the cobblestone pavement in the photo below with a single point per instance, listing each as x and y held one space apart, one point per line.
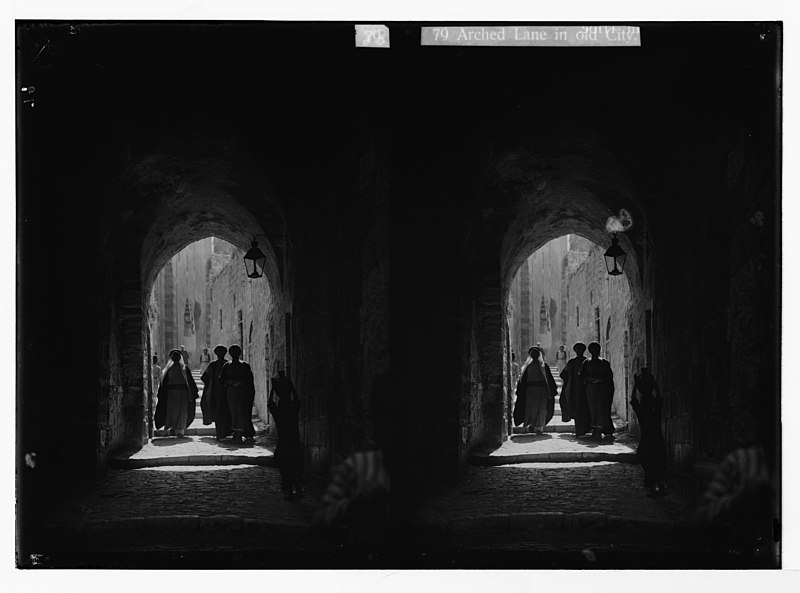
211 512
555 515
613 489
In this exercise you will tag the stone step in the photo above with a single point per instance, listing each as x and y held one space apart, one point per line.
196 451
197 428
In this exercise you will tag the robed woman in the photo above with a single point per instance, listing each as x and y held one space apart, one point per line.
284 404
240 391
214 403
598 381
652 450
177 396
573 396
536 393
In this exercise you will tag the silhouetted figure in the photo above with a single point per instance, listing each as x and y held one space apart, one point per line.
573 395
205 359
155 375
185 356
289 451
652 450
561 358
536 393
598 380
356 504
177 395
240 390
541 350
214 402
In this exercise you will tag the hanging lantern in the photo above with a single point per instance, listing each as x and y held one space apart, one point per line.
615 258
254 261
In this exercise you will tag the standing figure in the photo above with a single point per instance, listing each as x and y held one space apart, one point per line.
289 451
185 355
561 358
240 390
536 393
652 451
155 375
541 350
598 380
205 358
177 395
214 403
573 395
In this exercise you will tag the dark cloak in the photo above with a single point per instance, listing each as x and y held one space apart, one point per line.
240 391
598 378
214 403
573 397
289 451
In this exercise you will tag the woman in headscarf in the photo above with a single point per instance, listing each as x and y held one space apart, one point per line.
573 396
536 392
240 390
598 380
214 404
177 395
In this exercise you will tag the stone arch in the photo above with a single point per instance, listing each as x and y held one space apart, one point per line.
535 192
194 188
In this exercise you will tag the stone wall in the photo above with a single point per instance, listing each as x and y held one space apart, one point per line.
232 294
535 296
598 310
182 280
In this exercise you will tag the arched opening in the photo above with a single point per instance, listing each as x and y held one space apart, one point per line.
569 272
549 188
209 273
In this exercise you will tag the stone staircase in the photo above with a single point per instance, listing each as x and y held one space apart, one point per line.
197 428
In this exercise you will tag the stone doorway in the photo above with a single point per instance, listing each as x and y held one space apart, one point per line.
561 295
208 276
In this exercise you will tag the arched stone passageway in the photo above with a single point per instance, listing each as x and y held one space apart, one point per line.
562 294
398 198
198 187
543 189
222 307
196 134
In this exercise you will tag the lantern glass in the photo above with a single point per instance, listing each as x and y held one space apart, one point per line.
254 261
615 258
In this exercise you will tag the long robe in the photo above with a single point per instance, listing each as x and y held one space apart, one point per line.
214 403
573 397
240 392
652 450
598 381
289 451
167 402
536 395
